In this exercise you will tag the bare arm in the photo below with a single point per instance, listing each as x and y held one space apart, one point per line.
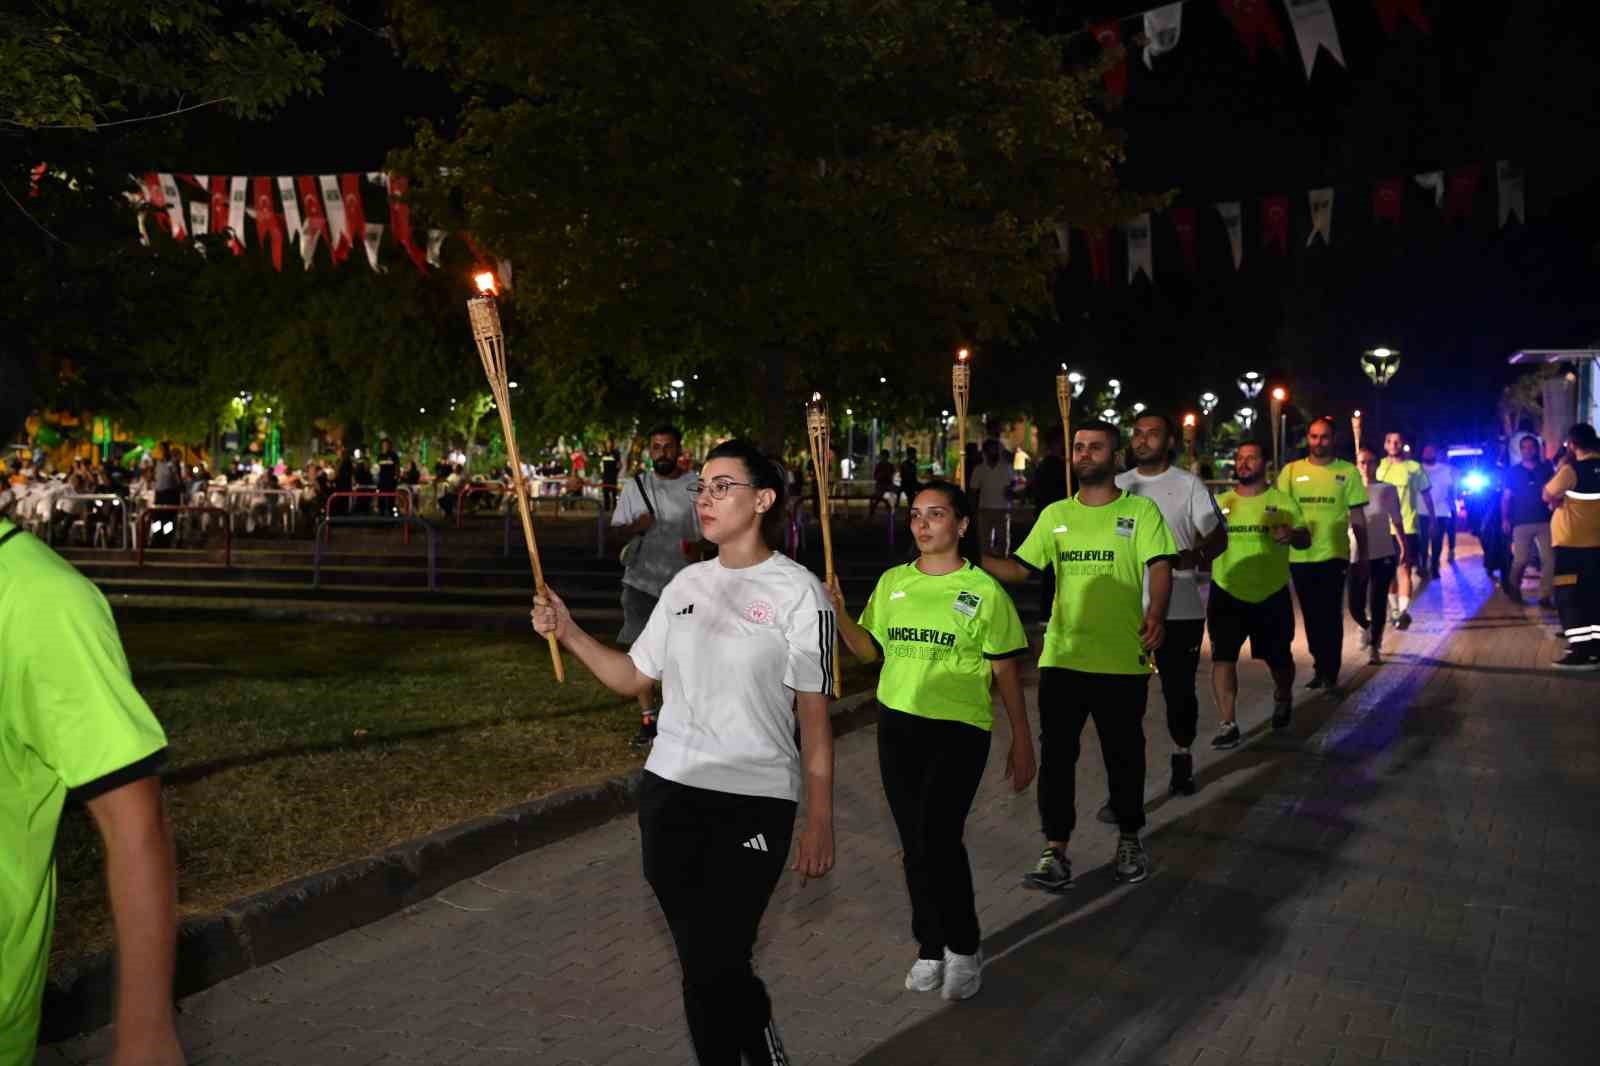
1008 570
1154 630
814 856
1020 763
1212 544
1358 526
858 640
613 668
144 909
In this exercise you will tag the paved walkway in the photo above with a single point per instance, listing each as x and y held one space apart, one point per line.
1407 876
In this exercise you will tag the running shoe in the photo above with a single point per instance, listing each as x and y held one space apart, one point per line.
1052 873
1404 621
1133 862
646 735
1282 711
1366 637
1227 738
963 975
926 975
1373 656
1317 681
1182 774
1577 661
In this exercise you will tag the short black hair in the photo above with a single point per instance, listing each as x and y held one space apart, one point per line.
763 472
1333 427
1100 425
16 397
1582 435
1166 422
667 429
1250 442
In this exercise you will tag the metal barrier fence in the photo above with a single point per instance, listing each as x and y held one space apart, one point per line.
96 500
290 505
143 528
407 520
364 494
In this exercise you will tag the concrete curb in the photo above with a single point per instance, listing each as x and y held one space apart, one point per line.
280 921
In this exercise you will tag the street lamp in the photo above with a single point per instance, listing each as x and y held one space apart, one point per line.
1250 383
1246 417
1380 365
1110 415
1113 387
1279 395
1208 403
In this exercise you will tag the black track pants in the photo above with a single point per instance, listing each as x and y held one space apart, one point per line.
1067 699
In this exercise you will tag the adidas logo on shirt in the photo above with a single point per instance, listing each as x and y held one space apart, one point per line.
757 843
687 610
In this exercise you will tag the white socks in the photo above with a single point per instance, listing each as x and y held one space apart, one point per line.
1405 604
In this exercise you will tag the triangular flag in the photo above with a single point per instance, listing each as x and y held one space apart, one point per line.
339 236
1434 180
1254 22
400 219
1275 223
199 222
1461 188
1321 215
1099 254
435 246
503 268
174 201
1313 28
309 238
1386 199
157 202
269 227
1513 185
1063 242
238 194
355 214
219 204
1390 12
372 237
1183 223
136 198
1109 34
1139 254
292 225
314 223
1233 221
1162 26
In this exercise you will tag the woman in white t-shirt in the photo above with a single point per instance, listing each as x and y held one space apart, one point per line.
742 645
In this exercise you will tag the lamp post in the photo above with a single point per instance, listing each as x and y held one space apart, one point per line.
1380 365
1279 395
961 391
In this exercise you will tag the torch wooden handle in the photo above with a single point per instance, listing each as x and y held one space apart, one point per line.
525 512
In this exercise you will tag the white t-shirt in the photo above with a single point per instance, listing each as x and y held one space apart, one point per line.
1384 521
731 648
1442 484
660 554
989 485
1191 513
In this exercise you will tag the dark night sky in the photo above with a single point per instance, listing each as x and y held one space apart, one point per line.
1492 82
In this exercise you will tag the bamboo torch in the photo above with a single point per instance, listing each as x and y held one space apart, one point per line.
1278 396
1355 428
818 430
484 314
1064 391
1188 439
961 391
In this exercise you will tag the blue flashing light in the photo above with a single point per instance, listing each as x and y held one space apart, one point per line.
1475 481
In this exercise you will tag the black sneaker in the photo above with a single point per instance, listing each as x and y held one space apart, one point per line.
646 735
1317 681
1283 710
1182 774
1577 661
1133 862
1404 621
1052 873
1227 738
1106 814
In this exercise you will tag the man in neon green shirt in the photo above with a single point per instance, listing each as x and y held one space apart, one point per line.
1331 496
1411 482
1250 590
71 723
1098 646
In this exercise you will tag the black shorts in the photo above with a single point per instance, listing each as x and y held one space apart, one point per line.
1269 625
1413 549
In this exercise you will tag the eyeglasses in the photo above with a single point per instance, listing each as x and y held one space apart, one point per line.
718 487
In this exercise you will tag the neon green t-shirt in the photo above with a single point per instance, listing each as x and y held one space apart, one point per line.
69 719
1411 482
938 635
1099 555
1325 495
1255 566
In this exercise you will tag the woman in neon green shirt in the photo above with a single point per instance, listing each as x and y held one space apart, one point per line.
943 628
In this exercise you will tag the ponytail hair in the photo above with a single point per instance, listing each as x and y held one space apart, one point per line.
961 504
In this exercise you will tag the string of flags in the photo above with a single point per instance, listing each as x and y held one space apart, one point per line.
303 214
1453 192
1256 22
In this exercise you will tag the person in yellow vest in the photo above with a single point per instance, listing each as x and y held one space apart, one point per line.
1574 492
1416 497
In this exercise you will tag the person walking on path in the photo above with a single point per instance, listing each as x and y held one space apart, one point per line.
1199 532
388 462
1049 485
1330 495
882 484
610 471
1574 492
71 722
991 490
743 646
1098 646
1525 518
908 476
1250 590
1416 505
1442 479
943 628
657 515
1385 552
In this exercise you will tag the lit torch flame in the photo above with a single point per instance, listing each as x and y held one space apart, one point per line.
486 283
1188 420
963 355
1279 395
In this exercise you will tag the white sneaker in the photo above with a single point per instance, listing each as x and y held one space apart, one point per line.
925 975
963 975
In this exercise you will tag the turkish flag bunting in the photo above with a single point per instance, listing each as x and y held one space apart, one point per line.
1099 254
1183 222
1109 34
1254 22
1390 12
1275 223
1461 188
400 221
355 216
269 227
313 220
219 204
1386 199
154 197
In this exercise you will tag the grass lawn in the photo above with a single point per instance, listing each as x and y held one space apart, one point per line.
297 747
